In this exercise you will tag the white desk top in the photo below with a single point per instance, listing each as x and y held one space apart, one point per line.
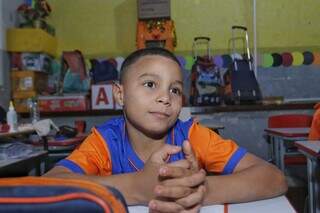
289 132
10 134
311 147
274 205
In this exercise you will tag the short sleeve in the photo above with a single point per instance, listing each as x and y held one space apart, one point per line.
91 157
314 133
214 153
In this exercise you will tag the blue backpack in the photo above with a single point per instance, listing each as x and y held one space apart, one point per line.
102 71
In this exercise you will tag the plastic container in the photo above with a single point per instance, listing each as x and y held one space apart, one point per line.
12 118
34 110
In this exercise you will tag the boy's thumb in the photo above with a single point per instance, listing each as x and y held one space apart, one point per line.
162 155
189 154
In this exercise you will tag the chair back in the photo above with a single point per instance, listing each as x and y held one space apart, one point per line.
289 120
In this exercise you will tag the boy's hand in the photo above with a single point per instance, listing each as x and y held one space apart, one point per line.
182 184
149 177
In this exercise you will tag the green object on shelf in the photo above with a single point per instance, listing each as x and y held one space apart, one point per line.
267 60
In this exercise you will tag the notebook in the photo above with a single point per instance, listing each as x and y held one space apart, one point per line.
204 209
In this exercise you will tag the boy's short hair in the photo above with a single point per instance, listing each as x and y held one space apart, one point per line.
133 57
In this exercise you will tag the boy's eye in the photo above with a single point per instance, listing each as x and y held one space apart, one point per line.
150 84
176 91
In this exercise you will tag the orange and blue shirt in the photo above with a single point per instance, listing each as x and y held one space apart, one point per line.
107 150
314 133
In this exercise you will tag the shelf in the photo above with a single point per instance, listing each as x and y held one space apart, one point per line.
31 40
194 110
76 113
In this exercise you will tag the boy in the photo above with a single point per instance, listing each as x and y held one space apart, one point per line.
152 157
314 133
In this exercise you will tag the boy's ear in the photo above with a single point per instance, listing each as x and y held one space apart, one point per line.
117 91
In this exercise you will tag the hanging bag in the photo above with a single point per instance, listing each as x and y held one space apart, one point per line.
241 85
205 76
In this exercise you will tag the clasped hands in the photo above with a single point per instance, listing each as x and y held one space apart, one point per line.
174 187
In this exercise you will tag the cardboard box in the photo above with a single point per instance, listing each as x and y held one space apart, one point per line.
31 40
31 61
65 103
21 104
28 81
36 62
148 9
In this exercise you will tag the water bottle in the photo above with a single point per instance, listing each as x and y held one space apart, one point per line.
12 119
34 110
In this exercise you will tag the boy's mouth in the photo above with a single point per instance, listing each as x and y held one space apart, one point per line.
160 114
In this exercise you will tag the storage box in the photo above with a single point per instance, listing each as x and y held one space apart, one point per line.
68 102
31 61
31 40
28 81
102 97
148 9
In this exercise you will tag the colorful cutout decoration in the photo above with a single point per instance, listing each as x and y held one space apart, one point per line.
287 59
267 60
181 60
297 58
316 58
189 62
277 59
307 58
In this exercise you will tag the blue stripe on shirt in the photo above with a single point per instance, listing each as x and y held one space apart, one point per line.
71 165
234 160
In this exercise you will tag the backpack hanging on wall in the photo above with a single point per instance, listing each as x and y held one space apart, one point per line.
206 83
103 71
241 85
73 75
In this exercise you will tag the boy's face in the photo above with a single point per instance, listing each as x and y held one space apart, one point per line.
151 94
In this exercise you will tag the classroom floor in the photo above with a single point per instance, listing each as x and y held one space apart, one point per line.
298 187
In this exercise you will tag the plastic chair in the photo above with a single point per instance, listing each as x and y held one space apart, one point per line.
290 121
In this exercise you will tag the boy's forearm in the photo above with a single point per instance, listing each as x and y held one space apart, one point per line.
254 183
128 184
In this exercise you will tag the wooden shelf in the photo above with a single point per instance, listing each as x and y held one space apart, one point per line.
76 113
194 110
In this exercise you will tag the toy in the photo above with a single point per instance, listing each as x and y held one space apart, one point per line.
156 33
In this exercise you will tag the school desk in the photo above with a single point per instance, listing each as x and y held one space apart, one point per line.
13 166
274 205
311 149
60 148
279 136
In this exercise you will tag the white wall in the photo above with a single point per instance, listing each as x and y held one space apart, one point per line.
8 18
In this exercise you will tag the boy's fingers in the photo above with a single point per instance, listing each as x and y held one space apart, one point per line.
192 209
193 199
164 206
161 155
189 155
174 172
181 163
173 192
193 180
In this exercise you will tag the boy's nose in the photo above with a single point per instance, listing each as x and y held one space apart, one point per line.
164 98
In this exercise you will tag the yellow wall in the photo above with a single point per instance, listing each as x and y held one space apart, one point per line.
108 27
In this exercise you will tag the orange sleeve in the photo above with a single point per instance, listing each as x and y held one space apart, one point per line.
92 156
314 133
214 153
